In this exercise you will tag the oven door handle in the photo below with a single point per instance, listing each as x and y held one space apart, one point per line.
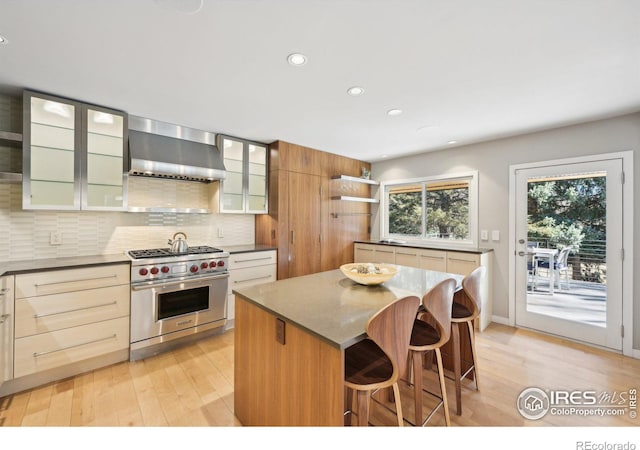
155 284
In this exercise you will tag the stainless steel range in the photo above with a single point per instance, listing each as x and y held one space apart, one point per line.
175 297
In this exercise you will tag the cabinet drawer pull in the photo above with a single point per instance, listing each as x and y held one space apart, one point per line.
75 281
4 291
249 260
253 279
39 316
434 257
36 355
463 260
4 318
406 254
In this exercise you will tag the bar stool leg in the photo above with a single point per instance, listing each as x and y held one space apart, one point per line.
472 337
417 387
363 408
349 404
396 394
457 365
443 388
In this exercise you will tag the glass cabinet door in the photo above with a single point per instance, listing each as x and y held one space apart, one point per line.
233 185
51 160
257 179
244 190
103 182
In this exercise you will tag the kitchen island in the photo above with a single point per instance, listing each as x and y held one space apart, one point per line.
290 337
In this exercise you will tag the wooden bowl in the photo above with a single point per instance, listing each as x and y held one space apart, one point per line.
376 273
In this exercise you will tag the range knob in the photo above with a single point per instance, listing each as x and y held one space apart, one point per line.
154 270
204 265
194 269
165 269
143 271
220 263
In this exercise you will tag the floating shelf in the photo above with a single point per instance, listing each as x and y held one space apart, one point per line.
10 177
11 139
355 199
355 179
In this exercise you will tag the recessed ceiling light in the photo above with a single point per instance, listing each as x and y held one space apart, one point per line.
394 112
355 91
452 142
297 59
3 40
384 156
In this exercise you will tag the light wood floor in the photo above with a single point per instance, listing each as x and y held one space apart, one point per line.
193 386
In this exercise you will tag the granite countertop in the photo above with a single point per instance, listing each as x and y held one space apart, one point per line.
248 248
453 247
334 308
37 265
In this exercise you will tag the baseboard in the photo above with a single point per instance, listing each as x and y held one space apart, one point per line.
501 320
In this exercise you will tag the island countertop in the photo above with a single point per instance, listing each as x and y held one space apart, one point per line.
333 307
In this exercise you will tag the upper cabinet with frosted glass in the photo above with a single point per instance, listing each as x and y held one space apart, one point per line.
75 155
244 190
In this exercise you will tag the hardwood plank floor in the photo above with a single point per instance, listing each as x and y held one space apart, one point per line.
193 386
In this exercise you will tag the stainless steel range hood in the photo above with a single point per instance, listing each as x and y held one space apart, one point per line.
163 150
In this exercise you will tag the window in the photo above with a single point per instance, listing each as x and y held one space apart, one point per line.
435 209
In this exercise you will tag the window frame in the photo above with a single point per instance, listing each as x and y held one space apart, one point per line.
471 176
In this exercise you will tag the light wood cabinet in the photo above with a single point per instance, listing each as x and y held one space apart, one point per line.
249 269
6 328
462 263
311 231
74 155
64 317
433 260
407 257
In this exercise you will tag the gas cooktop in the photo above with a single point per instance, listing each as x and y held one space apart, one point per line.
164 252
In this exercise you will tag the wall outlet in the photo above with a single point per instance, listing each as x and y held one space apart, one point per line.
495 235
220 232
55 238
484 235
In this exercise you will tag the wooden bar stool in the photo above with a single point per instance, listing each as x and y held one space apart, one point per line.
377 361
431 330
466 307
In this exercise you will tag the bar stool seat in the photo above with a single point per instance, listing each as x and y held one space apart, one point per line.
459 311
377 361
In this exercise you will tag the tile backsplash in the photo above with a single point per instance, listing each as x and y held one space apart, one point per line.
26 234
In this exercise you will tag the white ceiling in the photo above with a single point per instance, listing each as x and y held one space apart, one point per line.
467 70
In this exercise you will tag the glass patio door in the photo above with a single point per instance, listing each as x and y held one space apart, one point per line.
568 250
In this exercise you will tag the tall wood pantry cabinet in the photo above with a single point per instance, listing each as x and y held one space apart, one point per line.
311 225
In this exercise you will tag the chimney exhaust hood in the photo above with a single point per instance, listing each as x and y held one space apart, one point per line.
163 150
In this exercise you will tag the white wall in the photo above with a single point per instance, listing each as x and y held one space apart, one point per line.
492 160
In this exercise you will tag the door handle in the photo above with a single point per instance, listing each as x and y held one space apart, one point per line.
521 253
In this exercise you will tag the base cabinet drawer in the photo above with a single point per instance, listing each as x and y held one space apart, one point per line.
54 312
59 281
58 348
243 260
248 277
433 260
462 263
